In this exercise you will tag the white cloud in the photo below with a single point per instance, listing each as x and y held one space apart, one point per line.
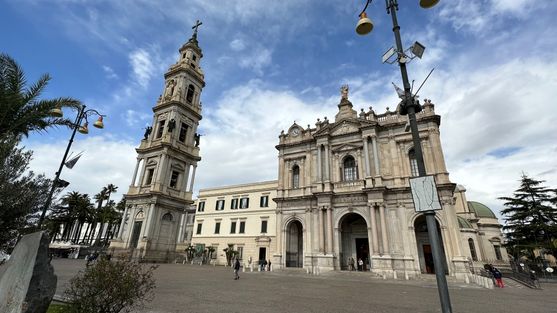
257 60
237 45
105 161
142 66
110 74
134 117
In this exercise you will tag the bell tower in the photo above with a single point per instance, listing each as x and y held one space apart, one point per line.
160 193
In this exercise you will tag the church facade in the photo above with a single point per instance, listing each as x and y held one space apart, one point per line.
343 194
159 202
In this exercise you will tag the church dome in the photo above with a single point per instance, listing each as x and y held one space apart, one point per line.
463 223
480 210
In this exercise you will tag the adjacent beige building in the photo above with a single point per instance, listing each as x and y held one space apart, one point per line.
238 217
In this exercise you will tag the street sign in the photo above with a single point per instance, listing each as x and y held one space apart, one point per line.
424 194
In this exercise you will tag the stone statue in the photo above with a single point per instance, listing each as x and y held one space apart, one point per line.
171 125
148 130
344 92
169 90
197 138
178 94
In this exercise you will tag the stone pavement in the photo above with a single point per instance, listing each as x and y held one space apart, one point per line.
194 288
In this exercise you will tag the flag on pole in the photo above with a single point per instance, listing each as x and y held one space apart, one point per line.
71 163
399 91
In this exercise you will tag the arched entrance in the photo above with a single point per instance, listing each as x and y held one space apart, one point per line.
354 242
294 245
425 254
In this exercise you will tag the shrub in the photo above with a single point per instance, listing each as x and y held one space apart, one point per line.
111 287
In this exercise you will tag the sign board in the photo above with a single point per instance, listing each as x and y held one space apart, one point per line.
387 55
424 194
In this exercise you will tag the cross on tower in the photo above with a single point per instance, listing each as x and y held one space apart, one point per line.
197 24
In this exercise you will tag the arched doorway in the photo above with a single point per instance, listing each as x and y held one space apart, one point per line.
294 245
354 242
425 254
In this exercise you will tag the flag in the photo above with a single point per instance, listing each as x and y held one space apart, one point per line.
71 163
399 91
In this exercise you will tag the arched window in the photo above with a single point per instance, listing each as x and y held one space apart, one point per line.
413 163
189 95
167 217
296 177
350 171
472 249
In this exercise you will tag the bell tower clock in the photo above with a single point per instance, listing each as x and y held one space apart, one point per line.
160 193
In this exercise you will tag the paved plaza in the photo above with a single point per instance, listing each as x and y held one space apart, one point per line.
194 288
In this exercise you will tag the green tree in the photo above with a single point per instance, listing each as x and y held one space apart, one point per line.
22 193
530 217
111 287
21 110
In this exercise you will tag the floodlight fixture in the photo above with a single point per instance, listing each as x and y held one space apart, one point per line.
418 49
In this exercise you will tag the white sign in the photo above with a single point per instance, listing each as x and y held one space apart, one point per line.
387 55
424 194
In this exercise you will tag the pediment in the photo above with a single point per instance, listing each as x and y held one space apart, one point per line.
345 147
345 127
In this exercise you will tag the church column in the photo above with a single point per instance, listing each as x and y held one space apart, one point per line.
135 172
374 237
328 168
319 164
375 156
384 240
142 172
121 230
366 157
320 229
192 178
279 231
329 230
162 169
186 177
150 222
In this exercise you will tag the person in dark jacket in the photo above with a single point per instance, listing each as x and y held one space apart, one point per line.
498 277
236 269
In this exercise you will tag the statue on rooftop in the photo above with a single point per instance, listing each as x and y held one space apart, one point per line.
344 92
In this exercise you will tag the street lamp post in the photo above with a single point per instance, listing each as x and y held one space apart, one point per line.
411 106
81 115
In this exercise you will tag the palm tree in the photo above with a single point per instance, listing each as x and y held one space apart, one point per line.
99 199
74 206
110 188
20 109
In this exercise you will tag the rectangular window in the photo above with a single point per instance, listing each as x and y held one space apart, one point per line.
263 227
149 178
198 232
413 167
160 129
240 252
217 227
174 179
233 228
201 207
183 132
242 227
219 206
264 201
244 203
234 204
498 253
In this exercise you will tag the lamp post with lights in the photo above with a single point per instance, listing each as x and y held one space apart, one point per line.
77 126
410 106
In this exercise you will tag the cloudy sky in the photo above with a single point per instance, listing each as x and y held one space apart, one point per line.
270 63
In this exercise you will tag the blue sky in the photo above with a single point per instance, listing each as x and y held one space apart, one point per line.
269 63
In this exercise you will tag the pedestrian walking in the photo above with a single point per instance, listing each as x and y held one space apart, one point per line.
269 266
236 269
351 264
264 265
360 264
498 278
